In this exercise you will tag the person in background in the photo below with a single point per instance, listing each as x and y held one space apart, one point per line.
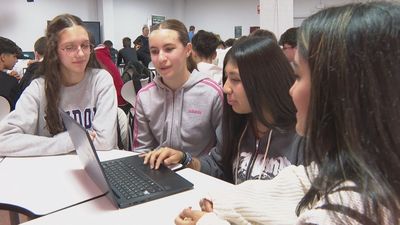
8 57
258 124
347 102
288 41
264 33
102 53
222 45
222 49
69 83
204 52
127 53
182 108
191 32
18 69
229 42
143 56
33 66
144 40
113 51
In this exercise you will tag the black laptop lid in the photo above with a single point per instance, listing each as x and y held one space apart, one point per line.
170 181
85 150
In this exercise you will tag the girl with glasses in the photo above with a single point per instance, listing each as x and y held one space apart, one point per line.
71 81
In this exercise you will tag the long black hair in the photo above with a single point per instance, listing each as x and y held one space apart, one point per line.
353 124
266 76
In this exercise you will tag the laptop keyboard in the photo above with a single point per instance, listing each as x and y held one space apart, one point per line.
128 181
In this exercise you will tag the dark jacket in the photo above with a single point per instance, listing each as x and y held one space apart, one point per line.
8 88
126 54
284 150
29 75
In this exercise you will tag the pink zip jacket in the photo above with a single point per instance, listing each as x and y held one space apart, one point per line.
187 119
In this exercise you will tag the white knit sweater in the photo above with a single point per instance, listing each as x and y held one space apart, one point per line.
275 201
259 201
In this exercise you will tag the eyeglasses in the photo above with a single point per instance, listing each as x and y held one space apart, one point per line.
73 49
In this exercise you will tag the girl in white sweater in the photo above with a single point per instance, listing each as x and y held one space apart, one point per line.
69 82
347 100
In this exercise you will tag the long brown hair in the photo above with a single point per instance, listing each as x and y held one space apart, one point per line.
50 69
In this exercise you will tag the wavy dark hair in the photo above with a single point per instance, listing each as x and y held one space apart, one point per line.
205 44
264 33
353 123
7 46
266 76
183 36
289 37
50 69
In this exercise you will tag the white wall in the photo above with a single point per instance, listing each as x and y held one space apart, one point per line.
304 8
24 22
131 15
217 16
276 15
221 16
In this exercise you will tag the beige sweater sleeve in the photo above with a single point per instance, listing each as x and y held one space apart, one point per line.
261 202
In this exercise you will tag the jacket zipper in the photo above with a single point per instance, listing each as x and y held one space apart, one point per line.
252 160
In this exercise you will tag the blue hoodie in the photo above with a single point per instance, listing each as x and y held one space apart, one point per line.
186 120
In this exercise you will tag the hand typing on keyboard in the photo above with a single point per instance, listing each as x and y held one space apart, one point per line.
164 155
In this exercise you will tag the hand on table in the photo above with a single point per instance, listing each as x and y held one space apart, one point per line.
189 216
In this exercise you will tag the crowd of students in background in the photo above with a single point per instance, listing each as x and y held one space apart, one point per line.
307 126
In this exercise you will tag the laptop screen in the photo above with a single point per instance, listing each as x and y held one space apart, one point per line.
85 150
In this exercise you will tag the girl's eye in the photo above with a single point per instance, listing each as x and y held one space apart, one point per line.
154 52
234 79
169 49
69 48
85 46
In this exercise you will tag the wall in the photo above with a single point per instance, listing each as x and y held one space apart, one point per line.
24 22
221 16
276 15
131 15
304 8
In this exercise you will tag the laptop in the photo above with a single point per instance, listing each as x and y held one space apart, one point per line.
126 180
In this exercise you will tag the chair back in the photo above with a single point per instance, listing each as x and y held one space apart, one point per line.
153 70
122 130
128 93
144 82
5 107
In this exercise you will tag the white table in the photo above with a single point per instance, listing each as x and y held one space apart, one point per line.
56 186
40 185
162 211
